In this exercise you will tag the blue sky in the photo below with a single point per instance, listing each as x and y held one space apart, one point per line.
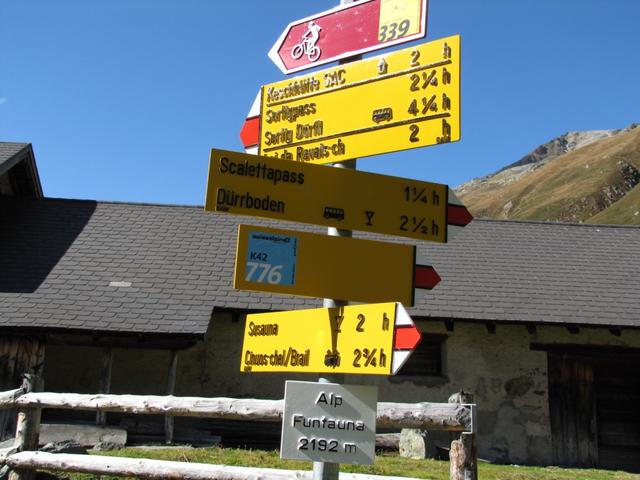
122 99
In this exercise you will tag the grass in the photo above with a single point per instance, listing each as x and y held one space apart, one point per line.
386 464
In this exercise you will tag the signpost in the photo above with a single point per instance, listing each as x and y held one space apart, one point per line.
348 199
331 35
327 422
402 100
313 265
370 339
406 99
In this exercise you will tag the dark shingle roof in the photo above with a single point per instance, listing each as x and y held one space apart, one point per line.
539 272
59 258
9 154
18 162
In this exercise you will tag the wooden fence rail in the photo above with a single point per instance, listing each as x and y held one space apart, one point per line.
162 469
435 416
451 417
8 399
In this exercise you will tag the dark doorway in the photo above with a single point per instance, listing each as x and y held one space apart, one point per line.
594 396
572 410
617 387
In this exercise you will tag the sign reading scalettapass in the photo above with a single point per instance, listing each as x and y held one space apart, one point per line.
405 99
335 197
374 339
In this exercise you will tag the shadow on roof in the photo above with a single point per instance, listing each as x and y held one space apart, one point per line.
34 235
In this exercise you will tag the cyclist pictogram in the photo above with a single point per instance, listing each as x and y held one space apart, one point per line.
308 43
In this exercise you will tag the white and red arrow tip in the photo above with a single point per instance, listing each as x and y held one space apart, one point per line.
406 337
250 131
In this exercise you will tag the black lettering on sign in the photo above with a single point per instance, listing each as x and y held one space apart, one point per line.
413 137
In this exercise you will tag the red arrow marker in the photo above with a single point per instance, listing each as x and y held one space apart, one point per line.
406 337
425 276
457 216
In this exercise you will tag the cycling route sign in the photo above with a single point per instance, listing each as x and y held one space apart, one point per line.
348 30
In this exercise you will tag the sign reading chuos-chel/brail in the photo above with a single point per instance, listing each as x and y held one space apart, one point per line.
405 99
313 265
335 197
372 339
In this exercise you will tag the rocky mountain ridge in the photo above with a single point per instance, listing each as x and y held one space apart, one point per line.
542 154
574 177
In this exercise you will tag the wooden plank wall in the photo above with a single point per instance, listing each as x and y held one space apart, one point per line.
617 383
572 410
18 355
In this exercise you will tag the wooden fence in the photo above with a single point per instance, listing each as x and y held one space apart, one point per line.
23 458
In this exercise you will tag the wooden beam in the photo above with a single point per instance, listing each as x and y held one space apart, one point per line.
491 327
161 469
448 325
146 342
532 329
171 389
436 416
105 381
9 397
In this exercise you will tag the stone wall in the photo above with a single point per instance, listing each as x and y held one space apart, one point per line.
507 378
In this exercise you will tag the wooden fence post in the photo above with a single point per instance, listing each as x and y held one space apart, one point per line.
463 454
171 389
28 427
463 458
105 381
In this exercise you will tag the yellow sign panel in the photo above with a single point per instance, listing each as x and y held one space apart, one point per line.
405 99
351 339
336 197
313 265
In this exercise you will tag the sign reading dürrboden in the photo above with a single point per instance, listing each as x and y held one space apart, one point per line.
334 197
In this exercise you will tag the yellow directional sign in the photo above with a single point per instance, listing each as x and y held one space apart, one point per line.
335 197
313 265
352 339
405 99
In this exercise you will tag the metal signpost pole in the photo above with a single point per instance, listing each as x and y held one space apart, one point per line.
324 470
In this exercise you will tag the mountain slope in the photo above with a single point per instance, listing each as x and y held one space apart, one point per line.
625 211
599 170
